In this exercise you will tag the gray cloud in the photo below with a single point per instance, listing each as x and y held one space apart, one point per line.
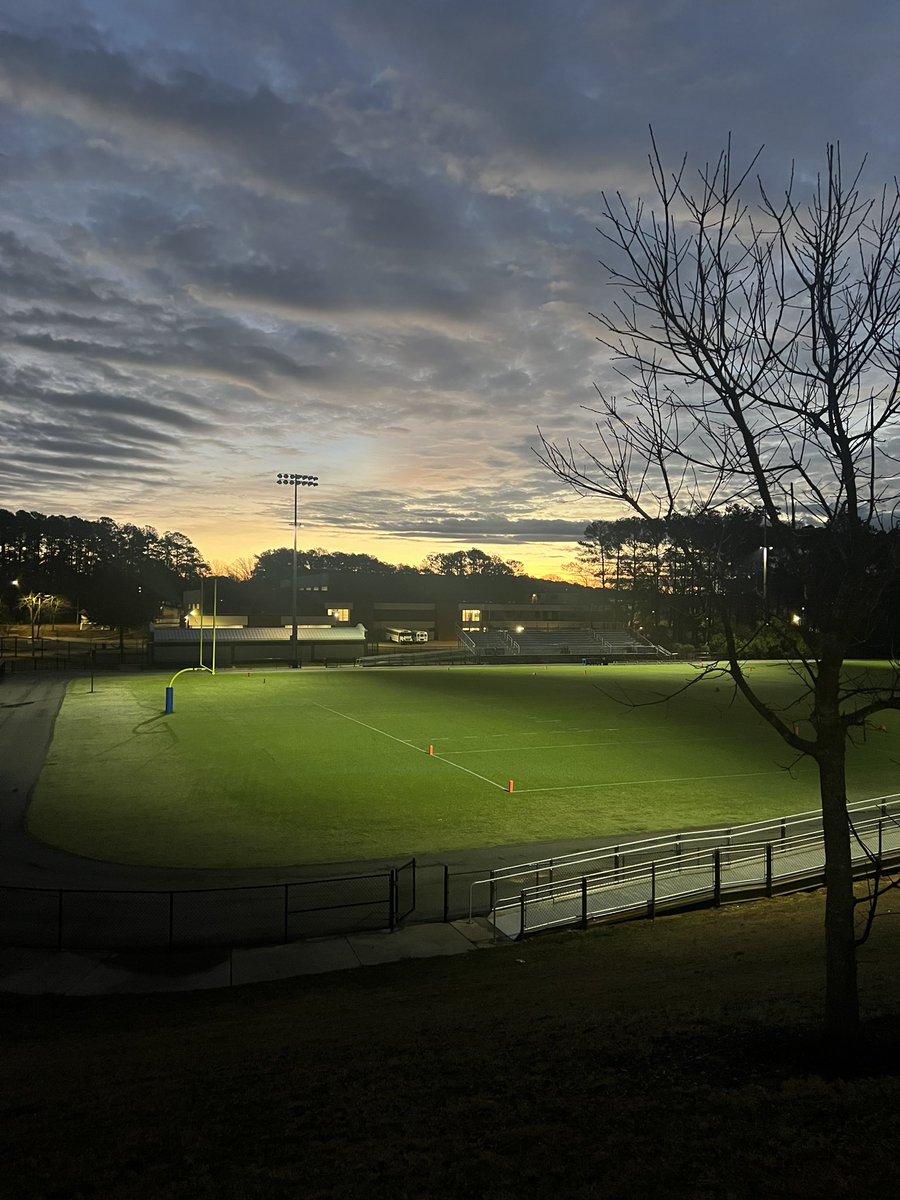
359 239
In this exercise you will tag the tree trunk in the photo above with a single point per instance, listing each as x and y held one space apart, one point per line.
841 995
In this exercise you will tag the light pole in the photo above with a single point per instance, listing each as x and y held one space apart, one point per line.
291 479
765 562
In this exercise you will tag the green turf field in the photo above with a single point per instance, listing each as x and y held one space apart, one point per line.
286 767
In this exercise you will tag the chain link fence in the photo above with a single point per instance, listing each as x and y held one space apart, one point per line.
19 655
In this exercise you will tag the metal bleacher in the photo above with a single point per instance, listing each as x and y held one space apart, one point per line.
622 644
566 644
563 642
490 643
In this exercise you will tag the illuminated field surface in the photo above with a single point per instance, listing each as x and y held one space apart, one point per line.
286 767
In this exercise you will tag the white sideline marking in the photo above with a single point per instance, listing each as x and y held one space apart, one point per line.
411 745
556 746
483 737
572 787
468 772
576 745
366 725
582 745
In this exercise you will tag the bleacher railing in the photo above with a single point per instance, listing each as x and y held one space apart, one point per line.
678 870
512 645
468 642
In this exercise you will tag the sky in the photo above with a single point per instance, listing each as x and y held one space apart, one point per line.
357 239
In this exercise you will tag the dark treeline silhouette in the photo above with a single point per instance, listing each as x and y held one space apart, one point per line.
276 564
672 577
675 578
118 575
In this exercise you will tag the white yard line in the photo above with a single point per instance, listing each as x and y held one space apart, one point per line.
521 791
410 745
492 782
556 746
481 737
577 745
366 725
573 787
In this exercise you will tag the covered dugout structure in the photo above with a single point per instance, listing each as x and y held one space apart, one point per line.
319 644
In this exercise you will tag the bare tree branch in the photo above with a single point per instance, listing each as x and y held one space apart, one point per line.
759 345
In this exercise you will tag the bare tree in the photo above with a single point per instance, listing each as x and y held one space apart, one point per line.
33 604
240 569
760 348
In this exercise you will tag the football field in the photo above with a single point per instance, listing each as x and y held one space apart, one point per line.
279 767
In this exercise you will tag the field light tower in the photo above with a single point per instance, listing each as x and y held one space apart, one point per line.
291 479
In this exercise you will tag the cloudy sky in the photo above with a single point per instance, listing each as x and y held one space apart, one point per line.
356 239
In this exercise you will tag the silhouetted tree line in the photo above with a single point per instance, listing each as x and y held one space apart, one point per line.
673 578
275 565
118 575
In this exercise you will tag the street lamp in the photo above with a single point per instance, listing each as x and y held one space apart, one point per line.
291 479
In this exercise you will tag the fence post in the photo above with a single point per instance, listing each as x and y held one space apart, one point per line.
392 899
584 902
651 903
59 919
769 870
285 938
171 919
522 914
717 877
446 893
880 843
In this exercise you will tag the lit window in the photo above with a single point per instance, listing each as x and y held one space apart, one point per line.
339 614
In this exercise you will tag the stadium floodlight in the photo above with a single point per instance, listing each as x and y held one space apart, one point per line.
292 479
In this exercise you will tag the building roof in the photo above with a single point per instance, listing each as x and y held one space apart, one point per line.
316 634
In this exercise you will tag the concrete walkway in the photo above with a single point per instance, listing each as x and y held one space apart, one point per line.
29 704
34 972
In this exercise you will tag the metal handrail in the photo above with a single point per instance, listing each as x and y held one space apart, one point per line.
688 840
686 851
718 876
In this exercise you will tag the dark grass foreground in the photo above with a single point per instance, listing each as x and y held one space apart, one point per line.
673 1059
